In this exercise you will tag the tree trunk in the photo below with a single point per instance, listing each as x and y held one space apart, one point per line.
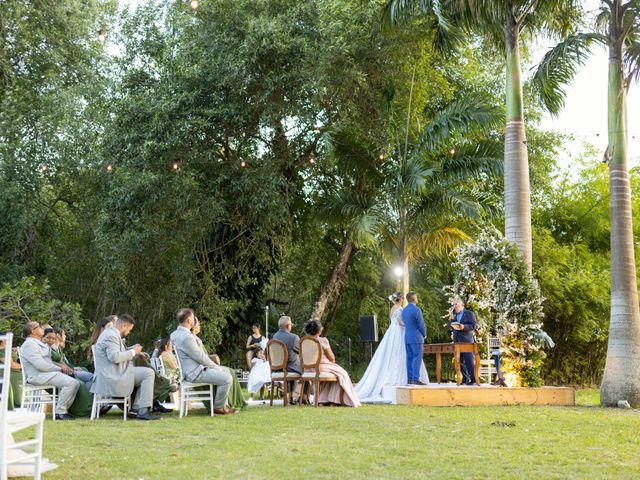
621 379
333 284
517 196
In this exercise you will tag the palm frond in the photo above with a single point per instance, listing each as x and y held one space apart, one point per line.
436 241
559 66
461 117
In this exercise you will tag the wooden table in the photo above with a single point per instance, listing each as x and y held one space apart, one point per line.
455 348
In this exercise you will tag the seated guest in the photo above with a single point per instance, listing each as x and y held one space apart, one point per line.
254 342
462 323
164 351
260 374
196 365
39 369
292 341
15 378
101 325
116 375
330 391
81 406
235 399
57 355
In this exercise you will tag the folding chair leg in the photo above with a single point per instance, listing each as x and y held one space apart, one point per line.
38 451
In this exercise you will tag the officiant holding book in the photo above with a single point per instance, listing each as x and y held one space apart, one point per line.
462 323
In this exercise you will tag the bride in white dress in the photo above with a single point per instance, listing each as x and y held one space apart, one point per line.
388 367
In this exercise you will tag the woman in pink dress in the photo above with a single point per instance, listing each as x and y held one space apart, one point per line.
330 391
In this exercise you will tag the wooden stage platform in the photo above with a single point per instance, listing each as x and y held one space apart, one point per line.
449 395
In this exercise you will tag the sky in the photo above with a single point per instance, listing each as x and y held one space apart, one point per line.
584 115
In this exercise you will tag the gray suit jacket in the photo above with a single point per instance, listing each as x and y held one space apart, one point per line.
292 341
192 356
35 358
114 375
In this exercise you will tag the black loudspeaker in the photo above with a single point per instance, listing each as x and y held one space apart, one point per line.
368 328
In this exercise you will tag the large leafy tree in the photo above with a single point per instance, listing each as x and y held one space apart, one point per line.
502 25
617 26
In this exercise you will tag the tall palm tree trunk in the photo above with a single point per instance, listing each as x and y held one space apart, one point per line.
517 196
622 369
402 250
334 282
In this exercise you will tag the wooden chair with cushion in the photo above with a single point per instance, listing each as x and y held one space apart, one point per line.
278 357
310 356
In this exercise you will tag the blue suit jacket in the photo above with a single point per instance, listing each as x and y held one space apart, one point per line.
469 322
415 331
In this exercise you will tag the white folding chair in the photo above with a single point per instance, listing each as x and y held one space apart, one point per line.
191 392
99 400
158 365
35 397
15 421
487 367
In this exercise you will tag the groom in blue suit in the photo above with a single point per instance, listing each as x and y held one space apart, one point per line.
414 335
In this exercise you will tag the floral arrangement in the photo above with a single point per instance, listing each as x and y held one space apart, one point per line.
493 279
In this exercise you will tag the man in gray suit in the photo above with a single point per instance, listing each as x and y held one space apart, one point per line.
116 376
196 365
39 369
292 341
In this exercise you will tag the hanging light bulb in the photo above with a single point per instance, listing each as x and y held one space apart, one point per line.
109 168
452 151
243 164
44 168
194 4
381 157
101 37
175 166
312 160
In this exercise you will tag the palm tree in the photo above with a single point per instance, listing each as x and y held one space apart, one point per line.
415 201
501 23
617 26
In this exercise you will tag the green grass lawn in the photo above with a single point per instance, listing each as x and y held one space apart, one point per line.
369 443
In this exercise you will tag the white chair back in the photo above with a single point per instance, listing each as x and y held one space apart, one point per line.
180 372
7 339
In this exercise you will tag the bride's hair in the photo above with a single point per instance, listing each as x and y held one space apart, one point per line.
395 297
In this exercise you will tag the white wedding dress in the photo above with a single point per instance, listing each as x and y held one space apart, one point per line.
388 367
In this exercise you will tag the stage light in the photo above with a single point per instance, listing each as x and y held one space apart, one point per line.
101 36
194 4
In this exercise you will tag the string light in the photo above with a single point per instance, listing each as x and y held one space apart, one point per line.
44 168
109 168
312 161
452 151
194 4
175 167
101 37
381 157
243 164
